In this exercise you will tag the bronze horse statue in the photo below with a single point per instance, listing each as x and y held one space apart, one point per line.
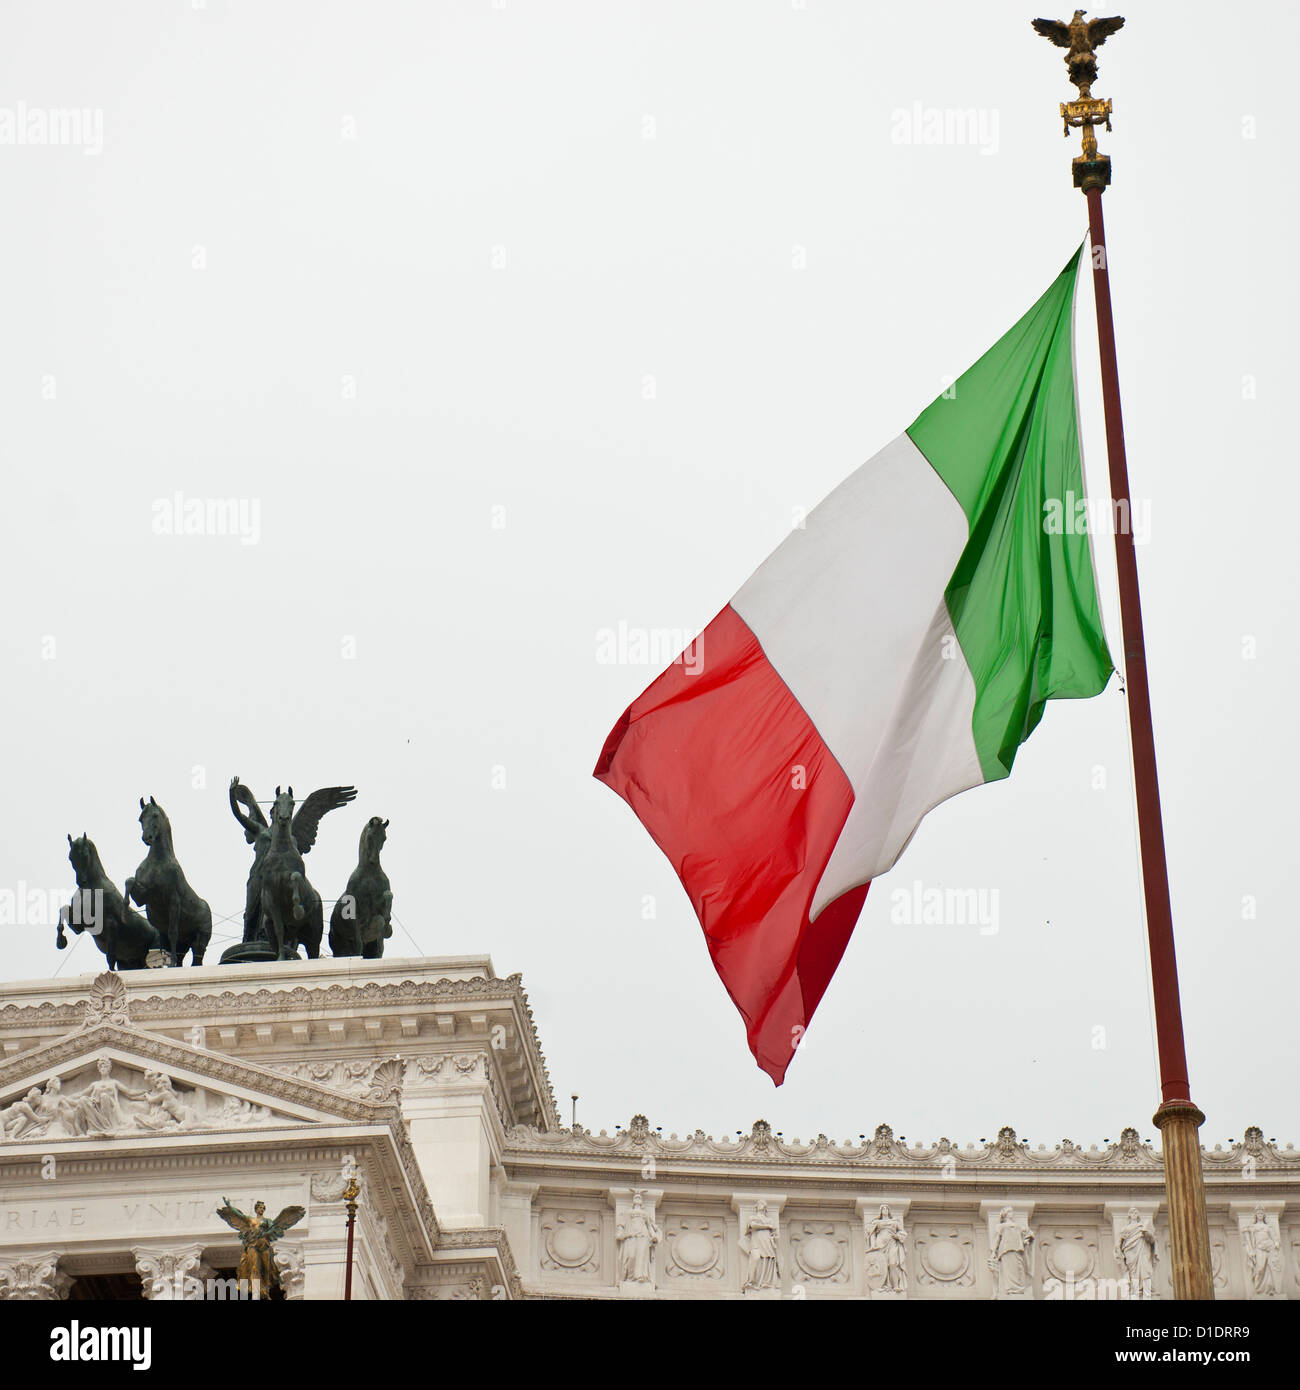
181 917
291 907
97 907
362 918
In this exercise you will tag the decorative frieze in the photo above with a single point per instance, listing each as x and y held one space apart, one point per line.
570 1242
821 1253
884 1151
1071 1259
945 1258
695 1251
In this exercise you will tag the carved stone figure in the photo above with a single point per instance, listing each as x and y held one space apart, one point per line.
22 1117
886 1247
1136 1253
758 1244
291 907
163 1106
1011 1257
1263 1252
120 932
360 922
258 834
257 1269
99 1107
636 1239
57 1113
174 909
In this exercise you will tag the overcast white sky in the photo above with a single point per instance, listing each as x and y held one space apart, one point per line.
520 319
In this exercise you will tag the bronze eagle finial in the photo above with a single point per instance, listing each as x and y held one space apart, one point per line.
1082 37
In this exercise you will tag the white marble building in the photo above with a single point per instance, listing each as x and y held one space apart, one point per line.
132 1105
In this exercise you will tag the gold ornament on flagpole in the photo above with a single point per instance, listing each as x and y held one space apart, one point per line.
1082 37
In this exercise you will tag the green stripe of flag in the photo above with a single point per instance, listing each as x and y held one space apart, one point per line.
1023 598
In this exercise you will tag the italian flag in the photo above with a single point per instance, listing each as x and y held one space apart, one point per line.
896 650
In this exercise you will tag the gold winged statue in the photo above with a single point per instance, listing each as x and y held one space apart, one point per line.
256 1233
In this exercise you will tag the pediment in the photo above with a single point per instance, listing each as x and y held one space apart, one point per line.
112 1080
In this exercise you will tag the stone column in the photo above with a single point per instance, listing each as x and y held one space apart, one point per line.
175 1273
1021 1211
1118 1215
1262 1279
875 1271
621 1199
745 1205
34 1278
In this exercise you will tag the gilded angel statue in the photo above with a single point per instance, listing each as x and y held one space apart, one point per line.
256 1234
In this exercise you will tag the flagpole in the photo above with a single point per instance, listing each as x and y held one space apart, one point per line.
1177 1117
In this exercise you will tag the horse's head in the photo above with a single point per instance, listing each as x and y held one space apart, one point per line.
84 858
154 825
373 835
282 811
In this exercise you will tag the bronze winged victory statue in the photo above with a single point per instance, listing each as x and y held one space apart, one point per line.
257 1233
257 832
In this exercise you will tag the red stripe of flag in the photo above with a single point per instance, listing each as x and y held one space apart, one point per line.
735 785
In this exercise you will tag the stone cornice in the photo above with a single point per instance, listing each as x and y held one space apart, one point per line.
885 1155
492 1237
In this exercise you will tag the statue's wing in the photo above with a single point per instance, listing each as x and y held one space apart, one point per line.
1099 30
290 1216
232 1216
307 820
1053 29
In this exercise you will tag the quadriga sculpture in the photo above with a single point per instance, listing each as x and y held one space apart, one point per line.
120 932
175 910
361 920
291 907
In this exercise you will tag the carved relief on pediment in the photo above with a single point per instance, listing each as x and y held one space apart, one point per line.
109 1097
570 1241
695 1248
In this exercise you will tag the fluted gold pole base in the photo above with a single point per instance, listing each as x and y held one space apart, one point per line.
1189 1230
